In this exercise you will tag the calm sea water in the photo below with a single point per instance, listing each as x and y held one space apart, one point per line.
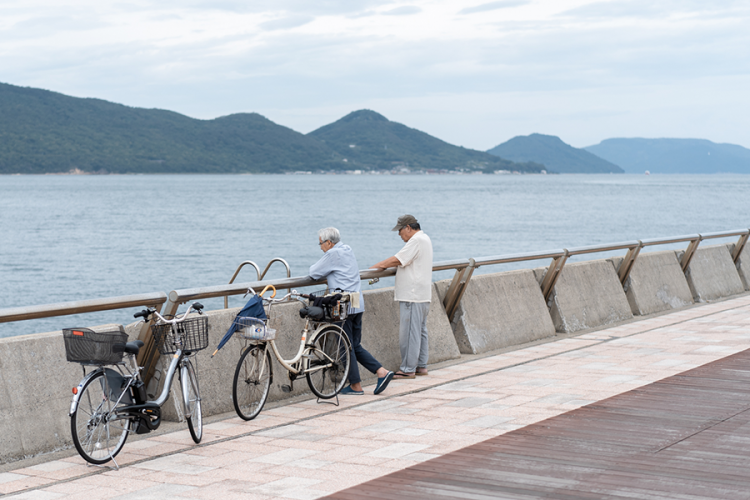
80 237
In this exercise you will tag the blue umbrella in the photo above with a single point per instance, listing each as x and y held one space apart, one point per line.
253 309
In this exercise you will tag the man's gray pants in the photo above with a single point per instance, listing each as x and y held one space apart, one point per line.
413 335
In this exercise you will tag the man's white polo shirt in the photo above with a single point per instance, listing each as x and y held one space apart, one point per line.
414 275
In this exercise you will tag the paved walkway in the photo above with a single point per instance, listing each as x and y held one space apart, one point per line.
306 450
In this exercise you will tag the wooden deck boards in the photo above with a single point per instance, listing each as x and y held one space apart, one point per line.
686 437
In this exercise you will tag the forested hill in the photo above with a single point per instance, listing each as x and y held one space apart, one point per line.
42 131
674 156
553 152
48 132
368 140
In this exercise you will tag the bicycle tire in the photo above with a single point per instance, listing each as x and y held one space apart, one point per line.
330 351
191 396
252 382
98 436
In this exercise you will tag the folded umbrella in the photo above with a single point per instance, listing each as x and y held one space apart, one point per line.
253 309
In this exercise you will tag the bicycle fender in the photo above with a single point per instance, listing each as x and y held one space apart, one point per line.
114 379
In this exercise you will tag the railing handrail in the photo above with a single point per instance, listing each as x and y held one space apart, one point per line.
518 257
177 297
603 247
725 234
81 306
665 241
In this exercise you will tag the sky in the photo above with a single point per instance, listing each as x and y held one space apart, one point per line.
472 73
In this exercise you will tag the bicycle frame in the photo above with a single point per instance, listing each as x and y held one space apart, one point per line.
288 364
133 377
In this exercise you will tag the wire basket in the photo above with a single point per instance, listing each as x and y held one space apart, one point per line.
85 346
318 293
254 329
189 335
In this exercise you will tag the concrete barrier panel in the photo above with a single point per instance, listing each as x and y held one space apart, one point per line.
499 310
588 295
35 390
743 264
381 324
712 274
656 283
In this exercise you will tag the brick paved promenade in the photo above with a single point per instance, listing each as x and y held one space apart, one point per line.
307 450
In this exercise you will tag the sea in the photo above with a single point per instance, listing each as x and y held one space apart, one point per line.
76 237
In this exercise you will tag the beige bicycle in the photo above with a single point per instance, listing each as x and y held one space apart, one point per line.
323 356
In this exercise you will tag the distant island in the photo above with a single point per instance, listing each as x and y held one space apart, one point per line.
47 132
44 132
674 156
555 154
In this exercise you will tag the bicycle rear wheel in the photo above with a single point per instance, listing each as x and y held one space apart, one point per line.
252 381
97 431
328 362
191 395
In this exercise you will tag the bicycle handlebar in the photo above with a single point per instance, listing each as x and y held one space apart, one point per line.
195 306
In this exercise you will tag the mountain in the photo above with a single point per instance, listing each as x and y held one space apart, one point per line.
554 153
674 156
43 131
368 140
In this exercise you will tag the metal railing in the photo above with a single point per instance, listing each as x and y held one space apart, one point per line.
82 306
464 269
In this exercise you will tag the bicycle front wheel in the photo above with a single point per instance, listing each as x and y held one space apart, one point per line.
252 382
97 431
191 395
328 362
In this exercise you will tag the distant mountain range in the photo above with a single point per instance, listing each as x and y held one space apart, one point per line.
553 153
48 132
369 141
673 156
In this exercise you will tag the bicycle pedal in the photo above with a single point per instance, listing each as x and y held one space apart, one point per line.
286 388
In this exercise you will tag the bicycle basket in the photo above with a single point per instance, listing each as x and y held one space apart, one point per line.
85 346
254 328
189 335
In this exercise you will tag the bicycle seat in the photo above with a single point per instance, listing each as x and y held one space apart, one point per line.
130 348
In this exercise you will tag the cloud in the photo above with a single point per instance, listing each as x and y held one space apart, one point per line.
503 4
286 22
406 10
651 9
319 7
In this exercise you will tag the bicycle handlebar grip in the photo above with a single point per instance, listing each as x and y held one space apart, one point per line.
197 306
143 314
266 288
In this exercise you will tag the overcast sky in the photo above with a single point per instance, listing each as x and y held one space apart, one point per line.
472 73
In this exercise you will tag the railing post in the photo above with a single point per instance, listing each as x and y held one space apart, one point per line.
689 252
739 246
457 289
150 353
553 272
628 261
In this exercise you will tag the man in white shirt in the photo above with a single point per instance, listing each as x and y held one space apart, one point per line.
413 293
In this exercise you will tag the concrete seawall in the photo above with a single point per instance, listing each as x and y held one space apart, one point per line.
712 274
656 283
497 311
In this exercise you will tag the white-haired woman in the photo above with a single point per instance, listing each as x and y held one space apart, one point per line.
339 266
